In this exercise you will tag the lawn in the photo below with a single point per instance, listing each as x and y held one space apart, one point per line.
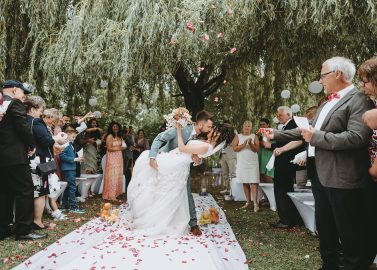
265 247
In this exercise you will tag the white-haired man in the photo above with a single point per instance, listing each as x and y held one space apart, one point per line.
338 164
285 172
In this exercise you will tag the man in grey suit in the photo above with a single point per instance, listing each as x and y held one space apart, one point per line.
338 165
168 140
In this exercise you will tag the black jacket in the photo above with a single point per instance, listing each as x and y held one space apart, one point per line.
43 138
283 162
15 135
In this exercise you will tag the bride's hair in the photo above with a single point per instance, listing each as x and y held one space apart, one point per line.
226 134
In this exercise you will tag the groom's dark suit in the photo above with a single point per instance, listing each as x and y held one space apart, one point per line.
339 175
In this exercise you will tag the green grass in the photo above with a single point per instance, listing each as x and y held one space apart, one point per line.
269 248
265 247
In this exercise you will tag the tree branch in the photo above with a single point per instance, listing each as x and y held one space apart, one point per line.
177 95
213 84
182 79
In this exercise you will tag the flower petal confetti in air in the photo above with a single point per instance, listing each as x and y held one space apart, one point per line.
233 50
220 35
200 69
190 27
204 37
224 82
229 11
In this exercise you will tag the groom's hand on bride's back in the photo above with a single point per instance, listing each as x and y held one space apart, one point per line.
197 160
153 163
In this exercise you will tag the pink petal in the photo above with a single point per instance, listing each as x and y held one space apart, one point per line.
233 50
220 35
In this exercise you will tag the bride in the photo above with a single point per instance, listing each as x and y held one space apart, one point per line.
158 198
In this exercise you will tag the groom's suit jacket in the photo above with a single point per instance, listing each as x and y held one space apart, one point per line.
168 140
341 144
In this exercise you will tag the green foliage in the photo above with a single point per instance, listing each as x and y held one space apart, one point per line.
67 47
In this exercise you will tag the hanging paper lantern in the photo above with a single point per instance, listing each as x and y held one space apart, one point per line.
93 101
104 84
63 104
315 87
295 108
285 94
97 114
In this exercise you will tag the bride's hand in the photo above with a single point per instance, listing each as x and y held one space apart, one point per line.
178 126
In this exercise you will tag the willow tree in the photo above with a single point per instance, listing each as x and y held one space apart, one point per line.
191 48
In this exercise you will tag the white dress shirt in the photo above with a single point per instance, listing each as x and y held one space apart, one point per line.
325 111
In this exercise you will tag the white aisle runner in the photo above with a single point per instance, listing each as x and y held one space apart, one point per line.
97 246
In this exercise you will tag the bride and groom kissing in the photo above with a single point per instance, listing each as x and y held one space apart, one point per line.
159 194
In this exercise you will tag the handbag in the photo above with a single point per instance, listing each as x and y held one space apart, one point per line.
44 169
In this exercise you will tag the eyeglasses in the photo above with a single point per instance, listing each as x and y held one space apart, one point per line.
322 76
363 83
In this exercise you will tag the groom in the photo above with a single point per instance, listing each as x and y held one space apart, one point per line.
168 140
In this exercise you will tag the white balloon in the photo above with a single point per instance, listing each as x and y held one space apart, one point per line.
275 120
295 108
93 101
285 94
104 84
315 87
63 104
97 114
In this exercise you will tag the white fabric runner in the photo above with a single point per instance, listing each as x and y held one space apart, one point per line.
98 246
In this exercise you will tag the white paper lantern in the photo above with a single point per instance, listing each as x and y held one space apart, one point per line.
275 120
97 114
63 104
104 84
93 101
285 94
315 87
295 108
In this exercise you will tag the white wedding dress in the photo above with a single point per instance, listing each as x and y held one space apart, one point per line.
158 203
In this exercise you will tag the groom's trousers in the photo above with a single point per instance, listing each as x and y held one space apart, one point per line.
193 218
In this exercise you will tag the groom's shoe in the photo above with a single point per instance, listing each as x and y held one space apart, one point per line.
195 230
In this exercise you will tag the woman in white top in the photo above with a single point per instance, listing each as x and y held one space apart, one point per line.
246 145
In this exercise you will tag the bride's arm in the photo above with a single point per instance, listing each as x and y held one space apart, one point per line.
198 149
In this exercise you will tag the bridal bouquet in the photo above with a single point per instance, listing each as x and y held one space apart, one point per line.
180 115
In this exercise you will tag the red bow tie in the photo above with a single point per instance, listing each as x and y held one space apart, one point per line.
332 96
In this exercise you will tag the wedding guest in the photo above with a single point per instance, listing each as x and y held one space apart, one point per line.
246 145
337 165
368 76
44 142
141 144
285 173
228 163
301 172
127 154
66 119
16 143
68 161
93 136
266 176
51 118
113 182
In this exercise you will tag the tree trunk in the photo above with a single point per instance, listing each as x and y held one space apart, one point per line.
194 93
